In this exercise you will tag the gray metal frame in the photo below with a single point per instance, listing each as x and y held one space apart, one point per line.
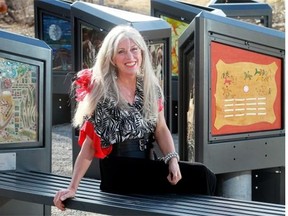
61 79
228 153
37 155
245 9
181 10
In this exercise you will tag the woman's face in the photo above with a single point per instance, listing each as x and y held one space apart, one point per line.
128 57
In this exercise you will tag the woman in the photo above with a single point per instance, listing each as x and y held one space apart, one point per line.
120 112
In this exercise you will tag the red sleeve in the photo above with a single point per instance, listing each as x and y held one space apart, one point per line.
160 105
88 130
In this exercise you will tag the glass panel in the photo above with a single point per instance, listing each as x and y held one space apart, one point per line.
57 34
91 41
157 55
18 102
191 105
178 27
246 91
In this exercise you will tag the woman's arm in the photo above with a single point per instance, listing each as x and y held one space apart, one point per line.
166 144
81 165
163 135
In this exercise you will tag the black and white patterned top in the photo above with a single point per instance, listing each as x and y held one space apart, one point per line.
113 124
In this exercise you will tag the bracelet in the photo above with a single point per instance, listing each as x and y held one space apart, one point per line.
169 156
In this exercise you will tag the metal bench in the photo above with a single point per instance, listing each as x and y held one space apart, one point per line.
39 187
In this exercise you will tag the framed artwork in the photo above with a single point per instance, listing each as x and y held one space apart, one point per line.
177 28
236 100
91 41
19 111
57 34
157 56
246 91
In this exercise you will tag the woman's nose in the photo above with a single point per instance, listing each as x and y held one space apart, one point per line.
129 54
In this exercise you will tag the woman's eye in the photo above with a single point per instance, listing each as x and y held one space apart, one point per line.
135 49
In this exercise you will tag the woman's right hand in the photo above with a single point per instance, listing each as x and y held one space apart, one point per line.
62 195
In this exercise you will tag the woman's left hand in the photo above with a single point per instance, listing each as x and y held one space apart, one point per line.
174 172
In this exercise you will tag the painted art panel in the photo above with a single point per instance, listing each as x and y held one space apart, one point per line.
18 102
157 57
246 90
177 28
91 42
57 34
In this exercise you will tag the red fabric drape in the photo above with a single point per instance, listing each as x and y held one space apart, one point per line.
88 130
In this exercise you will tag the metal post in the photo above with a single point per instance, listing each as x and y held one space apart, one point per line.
237 185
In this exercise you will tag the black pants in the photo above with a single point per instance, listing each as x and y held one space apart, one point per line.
135 175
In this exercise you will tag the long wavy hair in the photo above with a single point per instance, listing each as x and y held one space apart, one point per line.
104 79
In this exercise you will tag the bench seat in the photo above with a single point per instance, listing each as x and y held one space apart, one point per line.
39 187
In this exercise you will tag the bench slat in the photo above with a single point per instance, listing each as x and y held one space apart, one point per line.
41 187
